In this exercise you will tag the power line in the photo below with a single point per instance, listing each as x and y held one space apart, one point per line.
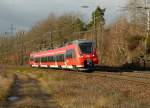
49 33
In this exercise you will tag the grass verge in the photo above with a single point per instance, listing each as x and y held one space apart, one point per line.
79 91
6 83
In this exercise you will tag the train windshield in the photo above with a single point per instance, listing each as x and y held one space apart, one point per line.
86 48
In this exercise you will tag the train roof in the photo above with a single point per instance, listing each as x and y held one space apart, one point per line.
61 48
81 41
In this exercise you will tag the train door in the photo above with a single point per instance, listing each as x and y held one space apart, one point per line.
70 58
65 61
55 59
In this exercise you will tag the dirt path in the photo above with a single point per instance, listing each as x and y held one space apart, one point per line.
26 93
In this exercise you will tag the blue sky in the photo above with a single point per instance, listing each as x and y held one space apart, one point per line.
23 14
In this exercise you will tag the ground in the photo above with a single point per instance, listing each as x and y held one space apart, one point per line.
46 88
26 92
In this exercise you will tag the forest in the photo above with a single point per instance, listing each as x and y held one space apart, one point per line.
125 41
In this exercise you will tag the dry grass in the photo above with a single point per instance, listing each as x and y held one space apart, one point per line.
6 81
84 91
14 82
5 85
30 94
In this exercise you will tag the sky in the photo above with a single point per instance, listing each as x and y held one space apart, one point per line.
23 14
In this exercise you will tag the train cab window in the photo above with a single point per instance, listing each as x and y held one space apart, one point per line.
70 53
86 48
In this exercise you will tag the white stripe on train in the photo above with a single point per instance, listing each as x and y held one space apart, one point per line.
56 66
35 65
44 66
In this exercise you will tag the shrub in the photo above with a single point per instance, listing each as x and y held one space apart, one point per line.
134 41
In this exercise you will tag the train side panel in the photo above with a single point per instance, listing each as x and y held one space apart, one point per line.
71 56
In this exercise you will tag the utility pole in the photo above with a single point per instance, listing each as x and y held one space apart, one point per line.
148 24
148 28
12 28
22 48
51 40
94 26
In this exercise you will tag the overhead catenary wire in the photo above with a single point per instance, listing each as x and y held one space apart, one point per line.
41 37
47 34
44 36
55 31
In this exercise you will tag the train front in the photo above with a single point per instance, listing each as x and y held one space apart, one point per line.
87 54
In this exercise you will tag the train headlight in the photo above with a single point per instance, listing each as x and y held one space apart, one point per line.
81 55
93 55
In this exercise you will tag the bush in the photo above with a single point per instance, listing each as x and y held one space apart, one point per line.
134 41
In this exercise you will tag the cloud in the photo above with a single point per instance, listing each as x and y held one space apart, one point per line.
25 13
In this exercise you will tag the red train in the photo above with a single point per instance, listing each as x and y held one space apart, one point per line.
77 55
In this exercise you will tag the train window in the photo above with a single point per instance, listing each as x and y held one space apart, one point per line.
86 48
44 59
51 59
54 57
31 59
57 58
37 60
70 53
60 58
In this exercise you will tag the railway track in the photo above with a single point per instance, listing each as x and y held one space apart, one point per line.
132 75
139 80
132 79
